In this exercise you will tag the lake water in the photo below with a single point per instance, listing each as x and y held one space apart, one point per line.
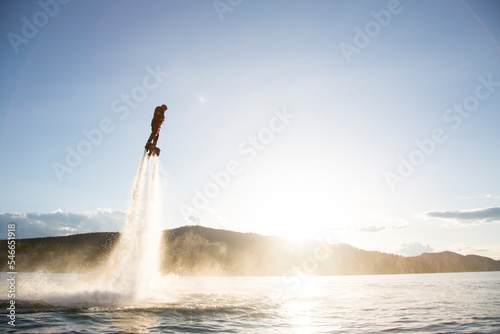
425 303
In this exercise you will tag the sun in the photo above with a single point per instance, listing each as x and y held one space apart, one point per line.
295 190
298 205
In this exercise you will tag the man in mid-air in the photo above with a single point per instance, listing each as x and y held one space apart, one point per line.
158 119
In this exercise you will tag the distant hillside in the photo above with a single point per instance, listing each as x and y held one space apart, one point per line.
73 253
197 250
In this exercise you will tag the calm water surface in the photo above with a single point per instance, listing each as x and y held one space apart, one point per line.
427 303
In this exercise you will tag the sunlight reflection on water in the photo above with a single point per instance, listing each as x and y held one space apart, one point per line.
430 303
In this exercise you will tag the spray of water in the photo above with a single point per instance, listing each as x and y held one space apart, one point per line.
131 274
133 266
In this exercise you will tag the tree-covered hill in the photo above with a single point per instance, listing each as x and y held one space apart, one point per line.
197 250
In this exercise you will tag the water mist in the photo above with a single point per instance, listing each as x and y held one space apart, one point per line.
133 266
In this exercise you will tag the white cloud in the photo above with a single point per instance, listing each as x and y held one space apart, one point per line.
195 220
382 224
467 217
56 223
372 228
414 249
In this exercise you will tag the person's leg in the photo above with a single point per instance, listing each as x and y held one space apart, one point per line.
155 130
150 139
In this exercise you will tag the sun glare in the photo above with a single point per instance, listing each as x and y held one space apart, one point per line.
298 205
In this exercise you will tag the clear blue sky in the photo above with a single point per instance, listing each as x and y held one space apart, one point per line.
315 107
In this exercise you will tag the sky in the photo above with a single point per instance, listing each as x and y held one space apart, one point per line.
371 123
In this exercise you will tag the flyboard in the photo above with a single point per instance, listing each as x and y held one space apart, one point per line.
152 150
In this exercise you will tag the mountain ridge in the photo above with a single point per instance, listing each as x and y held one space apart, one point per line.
197 250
